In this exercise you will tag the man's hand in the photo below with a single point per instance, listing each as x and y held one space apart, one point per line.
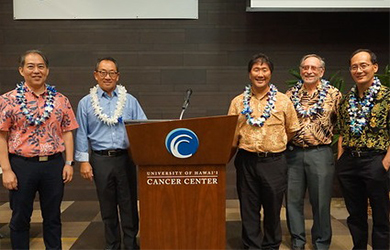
10 181
86 170
386 163
386 160
67 173
340 149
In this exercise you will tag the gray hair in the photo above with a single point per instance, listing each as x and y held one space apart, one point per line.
322 61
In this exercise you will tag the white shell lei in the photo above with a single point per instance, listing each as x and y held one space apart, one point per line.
49 104
358 118
117 117
247 111
318 107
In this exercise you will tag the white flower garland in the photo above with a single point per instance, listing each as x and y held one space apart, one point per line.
117 117
247 111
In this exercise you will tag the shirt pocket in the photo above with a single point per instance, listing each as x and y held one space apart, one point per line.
275 123
276 119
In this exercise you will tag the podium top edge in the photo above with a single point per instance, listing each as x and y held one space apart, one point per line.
130 122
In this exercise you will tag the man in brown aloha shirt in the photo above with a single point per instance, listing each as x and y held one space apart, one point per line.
267 120
363 157
309 156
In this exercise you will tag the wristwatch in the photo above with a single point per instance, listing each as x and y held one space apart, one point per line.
70 163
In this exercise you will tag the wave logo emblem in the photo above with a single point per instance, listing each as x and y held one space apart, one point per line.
182 143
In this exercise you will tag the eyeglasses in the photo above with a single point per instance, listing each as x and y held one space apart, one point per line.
103 74
362 66
307 67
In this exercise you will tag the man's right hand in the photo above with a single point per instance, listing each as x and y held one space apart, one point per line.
86 171
10 181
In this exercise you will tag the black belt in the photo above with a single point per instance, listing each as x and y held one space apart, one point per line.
310 147
263 154
355 152
38 158
111 152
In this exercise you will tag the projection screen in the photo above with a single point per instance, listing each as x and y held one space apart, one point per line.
103 9
325 5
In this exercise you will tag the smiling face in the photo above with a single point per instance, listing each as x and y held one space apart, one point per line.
34 71
260 76
107 76
311 71
362 69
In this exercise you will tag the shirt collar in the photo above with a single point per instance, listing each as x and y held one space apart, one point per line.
28 90
102 93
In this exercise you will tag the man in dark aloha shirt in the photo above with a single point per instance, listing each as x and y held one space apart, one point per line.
363 157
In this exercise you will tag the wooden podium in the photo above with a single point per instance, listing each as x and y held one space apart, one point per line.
182 200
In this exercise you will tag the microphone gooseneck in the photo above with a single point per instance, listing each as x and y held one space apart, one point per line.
186 102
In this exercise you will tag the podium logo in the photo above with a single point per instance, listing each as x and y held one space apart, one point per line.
182 143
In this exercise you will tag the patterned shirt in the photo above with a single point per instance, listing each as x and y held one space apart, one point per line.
316 129
42 140
272 137
376 134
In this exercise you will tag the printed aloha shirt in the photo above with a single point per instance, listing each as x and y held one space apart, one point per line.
273 136
317 129
376 134
42 140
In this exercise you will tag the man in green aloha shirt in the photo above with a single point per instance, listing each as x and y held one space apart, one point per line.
364 155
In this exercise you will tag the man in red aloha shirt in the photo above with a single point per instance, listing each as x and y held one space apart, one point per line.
35 128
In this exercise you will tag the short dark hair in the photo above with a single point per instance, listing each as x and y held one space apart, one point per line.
374 59
260 58
22 58
108 58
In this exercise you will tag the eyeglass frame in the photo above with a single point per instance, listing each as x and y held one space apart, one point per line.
362 66
112 74
314 68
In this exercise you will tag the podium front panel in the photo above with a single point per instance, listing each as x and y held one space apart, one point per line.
182 199
182 207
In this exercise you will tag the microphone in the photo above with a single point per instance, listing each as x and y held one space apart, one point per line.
187 98
186 102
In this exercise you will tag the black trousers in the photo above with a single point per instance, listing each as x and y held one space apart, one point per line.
116 184
46 179
363 178
261 183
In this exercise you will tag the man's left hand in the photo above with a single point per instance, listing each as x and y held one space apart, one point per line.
67 173
386 163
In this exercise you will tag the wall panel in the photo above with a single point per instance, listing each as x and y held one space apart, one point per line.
160 59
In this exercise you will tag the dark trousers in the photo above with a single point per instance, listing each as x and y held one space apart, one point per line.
46 178
363 178
116 184
261 183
